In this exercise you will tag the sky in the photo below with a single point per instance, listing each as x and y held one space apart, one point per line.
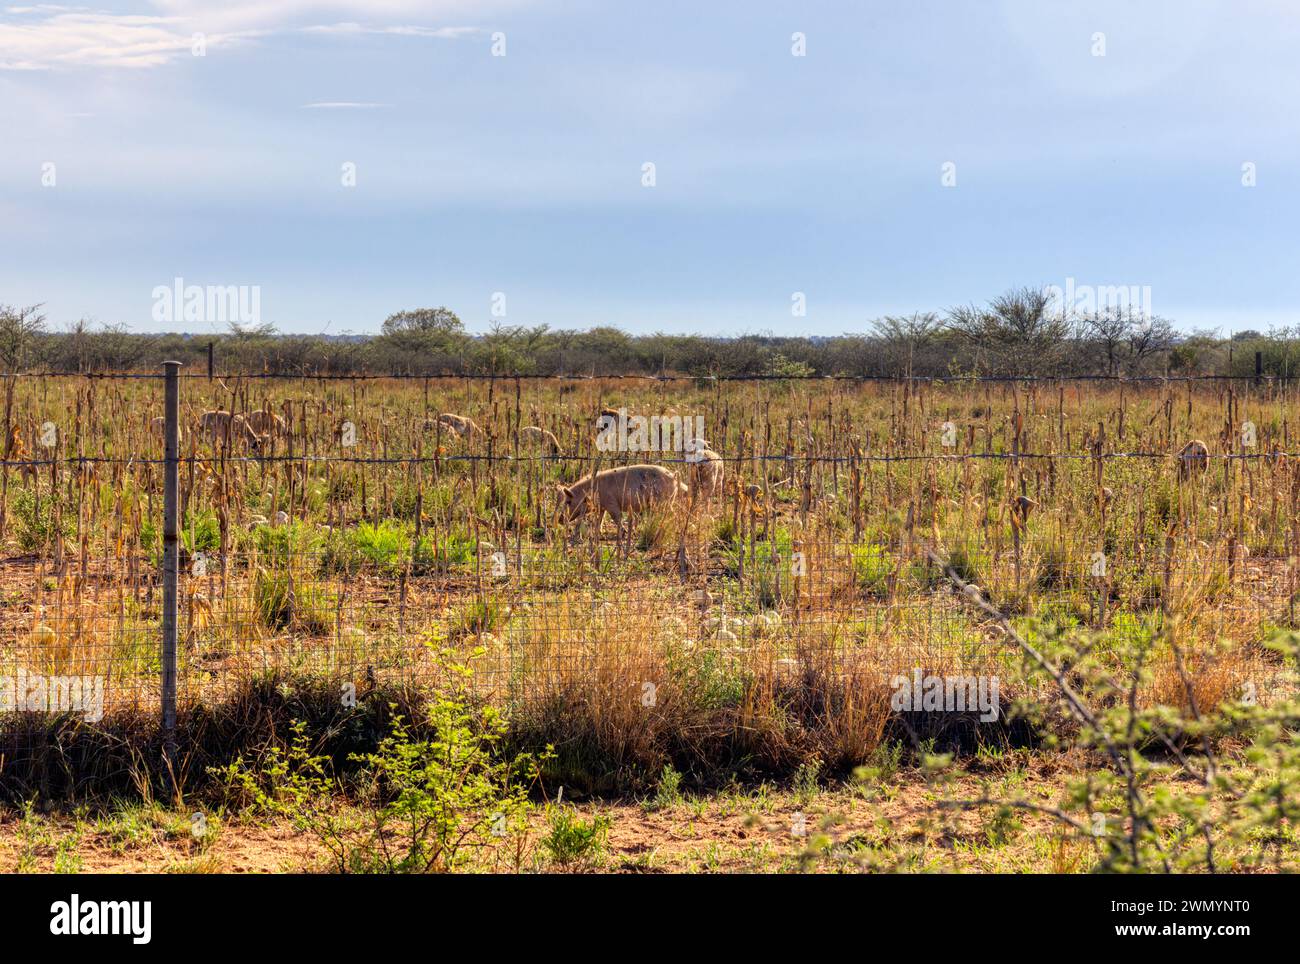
815 165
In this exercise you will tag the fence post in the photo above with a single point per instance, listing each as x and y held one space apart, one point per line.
171 473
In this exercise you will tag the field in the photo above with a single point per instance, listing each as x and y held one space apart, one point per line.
1130 609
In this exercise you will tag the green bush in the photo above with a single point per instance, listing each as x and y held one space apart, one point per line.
573 841
668 792
767 568
433 800
483 615
283 601
382 547
445 555
201 532
707 678
36 527
282 544
872 567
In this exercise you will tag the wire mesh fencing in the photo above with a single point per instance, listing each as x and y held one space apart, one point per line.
363 531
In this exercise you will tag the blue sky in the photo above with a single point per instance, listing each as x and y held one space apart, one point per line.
522 173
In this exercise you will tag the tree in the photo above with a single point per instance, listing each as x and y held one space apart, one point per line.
1196 353
76 344
1016 334
1127 339
426 338
903 336
778 366
508 349
1110 328
118 348
604 350
425 322
250 331
1147 339
19 328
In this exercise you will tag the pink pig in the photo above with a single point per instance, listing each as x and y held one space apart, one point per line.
629 489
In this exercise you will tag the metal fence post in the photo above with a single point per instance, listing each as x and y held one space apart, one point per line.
171 473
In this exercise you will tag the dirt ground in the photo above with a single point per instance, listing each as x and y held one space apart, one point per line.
891 825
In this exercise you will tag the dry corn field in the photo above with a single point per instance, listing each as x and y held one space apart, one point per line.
359 537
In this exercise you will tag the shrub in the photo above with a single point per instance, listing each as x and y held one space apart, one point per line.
283 601
381 546
669 791
281 544
805 780
767 567
429 802
201 532
872 567
484 615
36 525
573 841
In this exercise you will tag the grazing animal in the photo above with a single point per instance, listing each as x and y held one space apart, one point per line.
264 422
532 436
707 468
1193 459
607 418
219 426
1021 507
627 490
158 426
462 426
750 497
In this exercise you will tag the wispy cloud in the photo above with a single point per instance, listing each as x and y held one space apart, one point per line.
343 105
46 8
401 30
50 36
57 37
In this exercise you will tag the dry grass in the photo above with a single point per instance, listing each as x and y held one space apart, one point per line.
698 644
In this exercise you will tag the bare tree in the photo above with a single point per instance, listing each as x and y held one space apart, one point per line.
1016 334
1109 328
1148 338
903 336
19 329
241 331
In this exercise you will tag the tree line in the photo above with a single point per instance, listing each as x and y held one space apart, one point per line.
1021 332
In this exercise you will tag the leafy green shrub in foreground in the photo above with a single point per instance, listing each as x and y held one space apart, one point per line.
432 799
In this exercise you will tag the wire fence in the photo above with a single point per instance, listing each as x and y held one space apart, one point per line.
1259 378
157 555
